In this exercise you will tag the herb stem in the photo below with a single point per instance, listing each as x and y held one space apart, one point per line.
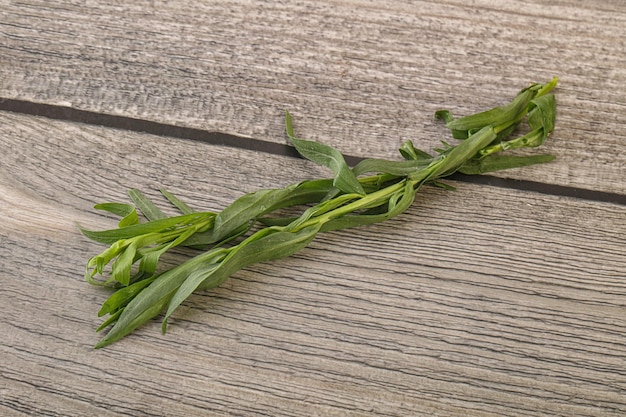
368 201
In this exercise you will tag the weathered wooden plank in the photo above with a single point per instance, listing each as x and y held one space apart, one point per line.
482 301
363 76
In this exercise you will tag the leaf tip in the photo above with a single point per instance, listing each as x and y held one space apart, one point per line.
444 115
288 124
102 343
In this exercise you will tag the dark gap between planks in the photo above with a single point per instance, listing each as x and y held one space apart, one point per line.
282 149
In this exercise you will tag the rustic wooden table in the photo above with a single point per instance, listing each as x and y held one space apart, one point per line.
506 297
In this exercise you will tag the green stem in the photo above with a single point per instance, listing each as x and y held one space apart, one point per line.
368 201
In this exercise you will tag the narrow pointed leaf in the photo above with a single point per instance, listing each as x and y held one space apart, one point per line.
543 113
109 321
147 207
397 168
251 206
176 202
267 247
149 302
113 235
326 156
126 211
410 152
122 296
121 269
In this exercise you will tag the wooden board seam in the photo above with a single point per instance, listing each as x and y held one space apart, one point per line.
70 114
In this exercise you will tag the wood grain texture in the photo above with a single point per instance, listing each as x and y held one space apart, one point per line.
481 302
363 76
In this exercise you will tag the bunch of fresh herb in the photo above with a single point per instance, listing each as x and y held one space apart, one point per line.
249 230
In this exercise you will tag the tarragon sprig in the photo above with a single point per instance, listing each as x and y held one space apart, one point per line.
252 230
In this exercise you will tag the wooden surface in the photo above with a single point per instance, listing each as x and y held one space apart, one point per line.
505 300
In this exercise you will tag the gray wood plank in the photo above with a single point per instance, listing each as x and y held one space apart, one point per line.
482 302
362 76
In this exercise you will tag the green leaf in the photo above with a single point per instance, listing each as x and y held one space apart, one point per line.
111 236
184 208
410 152
126 211
153 299
122 265
396 168
502 119
326 156
150 257
444 115
244 210
543 113
541 119
547 87
96 264
127 322
147 207
443 185
110 320
265 245
247 208
449 162
122 296
498 116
